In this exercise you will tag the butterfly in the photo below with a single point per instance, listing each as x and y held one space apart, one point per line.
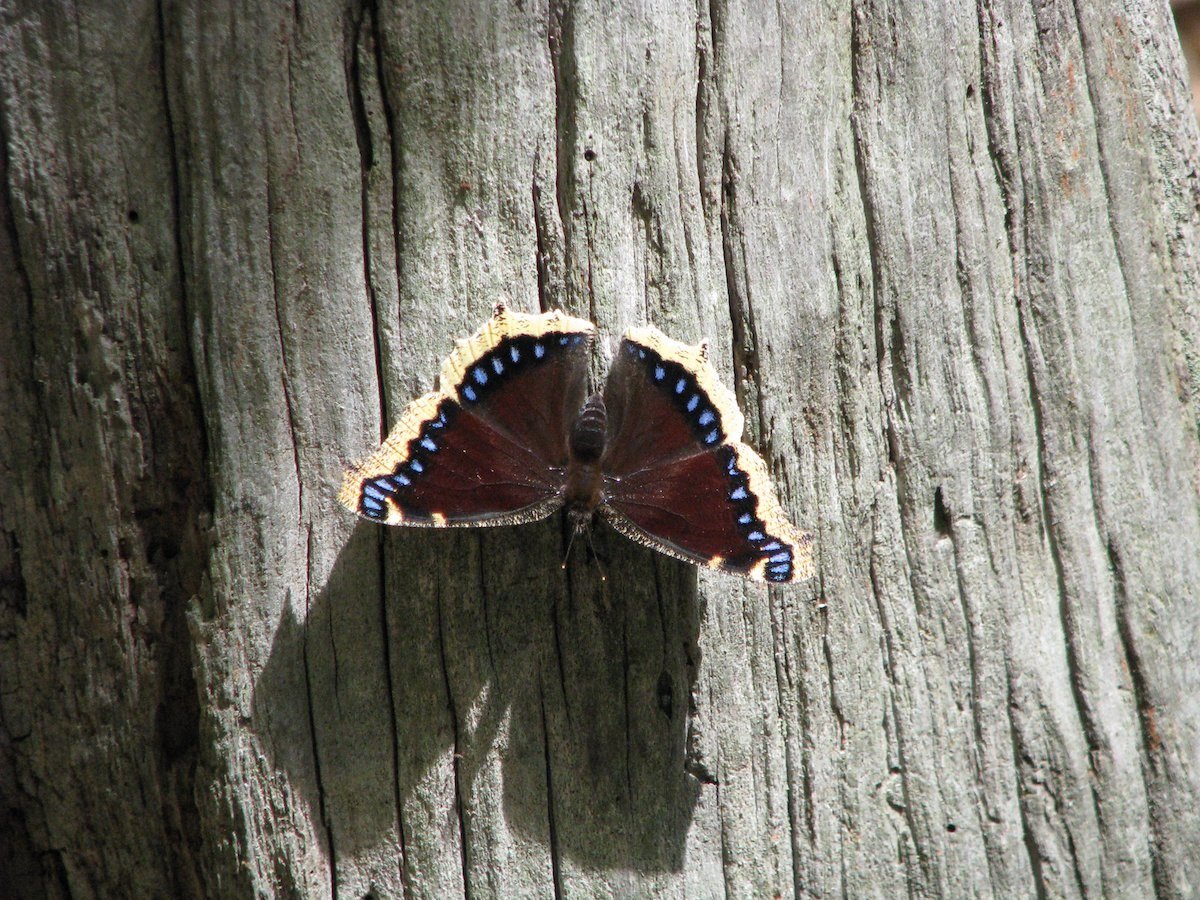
511 436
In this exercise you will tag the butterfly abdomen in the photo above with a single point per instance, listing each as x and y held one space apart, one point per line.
582 491
587 432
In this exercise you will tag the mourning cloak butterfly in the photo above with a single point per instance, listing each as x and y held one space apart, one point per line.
509 438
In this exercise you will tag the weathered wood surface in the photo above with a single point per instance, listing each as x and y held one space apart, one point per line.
947 253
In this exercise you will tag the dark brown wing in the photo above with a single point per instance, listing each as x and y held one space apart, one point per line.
490 446
677 477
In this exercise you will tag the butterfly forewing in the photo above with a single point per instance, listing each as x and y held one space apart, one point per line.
676 476
489 448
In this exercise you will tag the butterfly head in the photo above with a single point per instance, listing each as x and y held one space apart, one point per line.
580 517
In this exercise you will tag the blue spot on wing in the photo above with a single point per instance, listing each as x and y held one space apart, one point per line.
755 536
480 375
770 545
706 417
745 519
680 385
429 445
539 350
372 505
738 493
497 366
416 466
659 373
514 353
469 393
372 490
712 437
693 403
401 479
781 556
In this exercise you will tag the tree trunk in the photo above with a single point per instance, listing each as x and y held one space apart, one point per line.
947 255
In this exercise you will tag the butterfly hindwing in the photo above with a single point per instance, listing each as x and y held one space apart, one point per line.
677 477
489 446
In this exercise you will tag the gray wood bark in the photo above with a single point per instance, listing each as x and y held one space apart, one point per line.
947 254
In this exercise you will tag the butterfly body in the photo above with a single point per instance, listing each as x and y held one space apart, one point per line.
509 437
583 490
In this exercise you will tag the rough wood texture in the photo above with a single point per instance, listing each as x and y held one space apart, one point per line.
947 253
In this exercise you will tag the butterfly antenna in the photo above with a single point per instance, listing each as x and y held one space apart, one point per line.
570 544
596 557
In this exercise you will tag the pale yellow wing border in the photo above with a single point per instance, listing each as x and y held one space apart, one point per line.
766 506
394 452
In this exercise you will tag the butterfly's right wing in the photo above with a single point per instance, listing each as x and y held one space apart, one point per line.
490 446
677 477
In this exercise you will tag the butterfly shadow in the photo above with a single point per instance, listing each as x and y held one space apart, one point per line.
464 673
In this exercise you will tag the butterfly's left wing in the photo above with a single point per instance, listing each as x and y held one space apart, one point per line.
677 477
489 447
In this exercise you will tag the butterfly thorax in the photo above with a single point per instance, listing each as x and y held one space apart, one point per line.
583 491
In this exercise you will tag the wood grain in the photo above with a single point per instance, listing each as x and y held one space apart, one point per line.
946 253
